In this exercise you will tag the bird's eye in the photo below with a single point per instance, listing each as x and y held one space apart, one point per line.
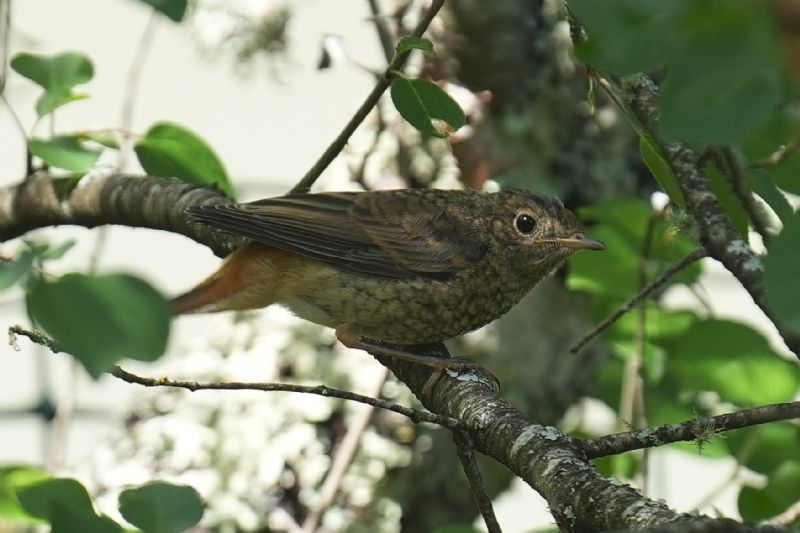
525 224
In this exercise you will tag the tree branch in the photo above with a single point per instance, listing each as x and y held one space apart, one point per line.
727 163
361 113
696 429
716 230
110 198
553 463
466 455
320 390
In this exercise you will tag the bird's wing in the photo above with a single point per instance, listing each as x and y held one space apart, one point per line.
391 234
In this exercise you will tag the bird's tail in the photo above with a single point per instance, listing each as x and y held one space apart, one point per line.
206 297
246 280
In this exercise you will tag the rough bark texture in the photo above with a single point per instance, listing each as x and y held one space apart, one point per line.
43 200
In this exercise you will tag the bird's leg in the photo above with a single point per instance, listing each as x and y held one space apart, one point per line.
441 363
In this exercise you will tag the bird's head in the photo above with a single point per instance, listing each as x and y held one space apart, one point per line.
537 233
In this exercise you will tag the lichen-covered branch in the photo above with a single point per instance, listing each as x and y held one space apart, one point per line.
717 233
553 463
45 200
699 429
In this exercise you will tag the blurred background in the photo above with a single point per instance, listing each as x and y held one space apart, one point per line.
247 76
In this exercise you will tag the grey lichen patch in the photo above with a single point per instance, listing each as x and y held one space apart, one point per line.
650 436
738 247
753 264
550 433
528 434
633 510
569 513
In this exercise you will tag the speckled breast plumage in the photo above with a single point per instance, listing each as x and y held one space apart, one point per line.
410 311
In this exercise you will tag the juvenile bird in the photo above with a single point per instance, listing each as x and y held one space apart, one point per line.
402 267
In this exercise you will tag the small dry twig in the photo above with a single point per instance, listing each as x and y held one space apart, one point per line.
466 454
644 293
361 113
688 430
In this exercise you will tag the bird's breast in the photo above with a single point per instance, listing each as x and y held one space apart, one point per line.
402 311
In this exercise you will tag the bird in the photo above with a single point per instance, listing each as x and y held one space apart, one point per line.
387 268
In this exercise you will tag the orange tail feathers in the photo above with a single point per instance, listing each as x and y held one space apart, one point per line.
246 280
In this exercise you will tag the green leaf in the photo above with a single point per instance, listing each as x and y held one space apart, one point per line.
661 324
627 36
723 83
654 357
12 271
781 130
733 360
102 319
170 150
763 185
623 466
65 152
173 9
60 71
781 491
52 100
727 198
413 43
160 507
38 498
65 519
456 528
763 448
104 139
57 74
615 272
661 171
49 252
421 102
13 478
781 268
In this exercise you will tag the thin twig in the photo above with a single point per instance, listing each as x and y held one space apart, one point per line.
788 517
783 151
742 455
320 390
35 337
132 84
627 306
344 456
359 175
372 99
466 454
65 412
384 33
698 428
640 416
716 230
28 155
728 164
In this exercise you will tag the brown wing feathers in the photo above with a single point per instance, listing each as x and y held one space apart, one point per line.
367 233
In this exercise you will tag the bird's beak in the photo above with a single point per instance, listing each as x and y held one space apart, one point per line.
580 241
